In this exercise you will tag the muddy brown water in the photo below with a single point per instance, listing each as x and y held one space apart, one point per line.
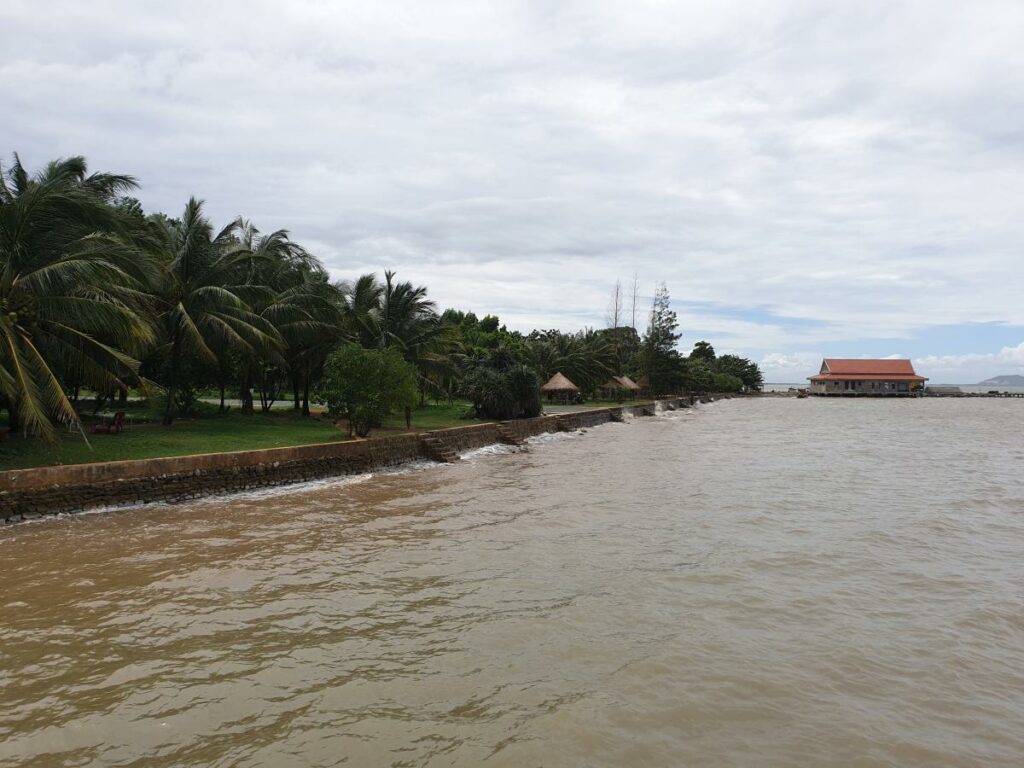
758 583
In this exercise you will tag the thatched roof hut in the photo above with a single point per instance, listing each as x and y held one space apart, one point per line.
559 383
627 383
619 387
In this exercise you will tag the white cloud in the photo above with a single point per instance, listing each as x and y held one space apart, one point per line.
855 168
1005 358
791 367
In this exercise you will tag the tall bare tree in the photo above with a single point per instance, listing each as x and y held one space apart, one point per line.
636 295
615 306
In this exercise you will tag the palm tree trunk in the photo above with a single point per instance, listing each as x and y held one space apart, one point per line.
305 397
269 392
295 391
14 415
172 381
246 392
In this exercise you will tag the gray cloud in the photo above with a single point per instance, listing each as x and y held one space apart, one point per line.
856 164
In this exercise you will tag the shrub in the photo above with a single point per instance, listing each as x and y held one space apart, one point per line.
364 385
503 390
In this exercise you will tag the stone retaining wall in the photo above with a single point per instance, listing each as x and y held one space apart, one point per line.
462 439
27 493
524 428
52 490
583 419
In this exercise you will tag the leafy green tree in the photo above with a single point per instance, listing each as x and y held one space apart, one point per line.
743 369
479 343
364 385
726 382
697 376
702 350
490 324
70 305
626 343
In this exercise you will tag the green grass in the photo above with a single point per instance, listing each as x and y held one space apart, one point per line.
430 417
211 432
207 434
232 432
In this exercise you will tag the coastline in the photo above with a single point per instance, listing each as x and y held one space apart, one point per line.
28 494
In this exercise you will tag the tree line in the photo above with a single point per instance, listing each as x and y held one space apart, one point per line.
97 295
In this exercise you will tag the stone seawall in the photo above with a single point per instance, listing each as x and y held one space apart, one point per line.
462 439
30 493
522 429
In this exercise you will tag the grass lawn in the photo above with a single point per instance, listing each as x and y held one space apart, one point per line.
430 417
231 432
207 434
213 433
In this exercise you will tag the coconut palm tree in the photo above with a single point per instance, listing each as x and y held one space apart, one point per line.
360 306
203 295
70 299
313 334
301 304
403 311
399 314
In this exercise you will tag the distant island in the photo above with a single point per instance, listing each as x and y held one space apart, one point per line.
1010 380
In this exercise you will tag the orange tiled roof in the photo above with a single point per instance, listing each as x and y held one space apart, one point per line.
834 369
867 377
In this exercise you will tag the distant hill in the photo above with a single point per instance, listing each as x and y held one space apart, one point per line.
1010 380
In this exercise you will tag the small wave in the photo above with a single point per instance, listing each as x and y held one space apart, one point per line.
252 494
286 488
553 437
498 449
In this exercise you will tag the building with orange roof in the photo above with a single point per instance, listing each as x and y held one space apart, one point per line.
870 378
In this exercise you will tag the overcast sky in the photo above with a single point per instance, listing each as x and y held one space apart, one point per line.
808 178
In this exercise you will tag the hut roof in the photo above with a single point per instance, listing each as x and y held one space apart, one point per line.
622 382
627 382
558 383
